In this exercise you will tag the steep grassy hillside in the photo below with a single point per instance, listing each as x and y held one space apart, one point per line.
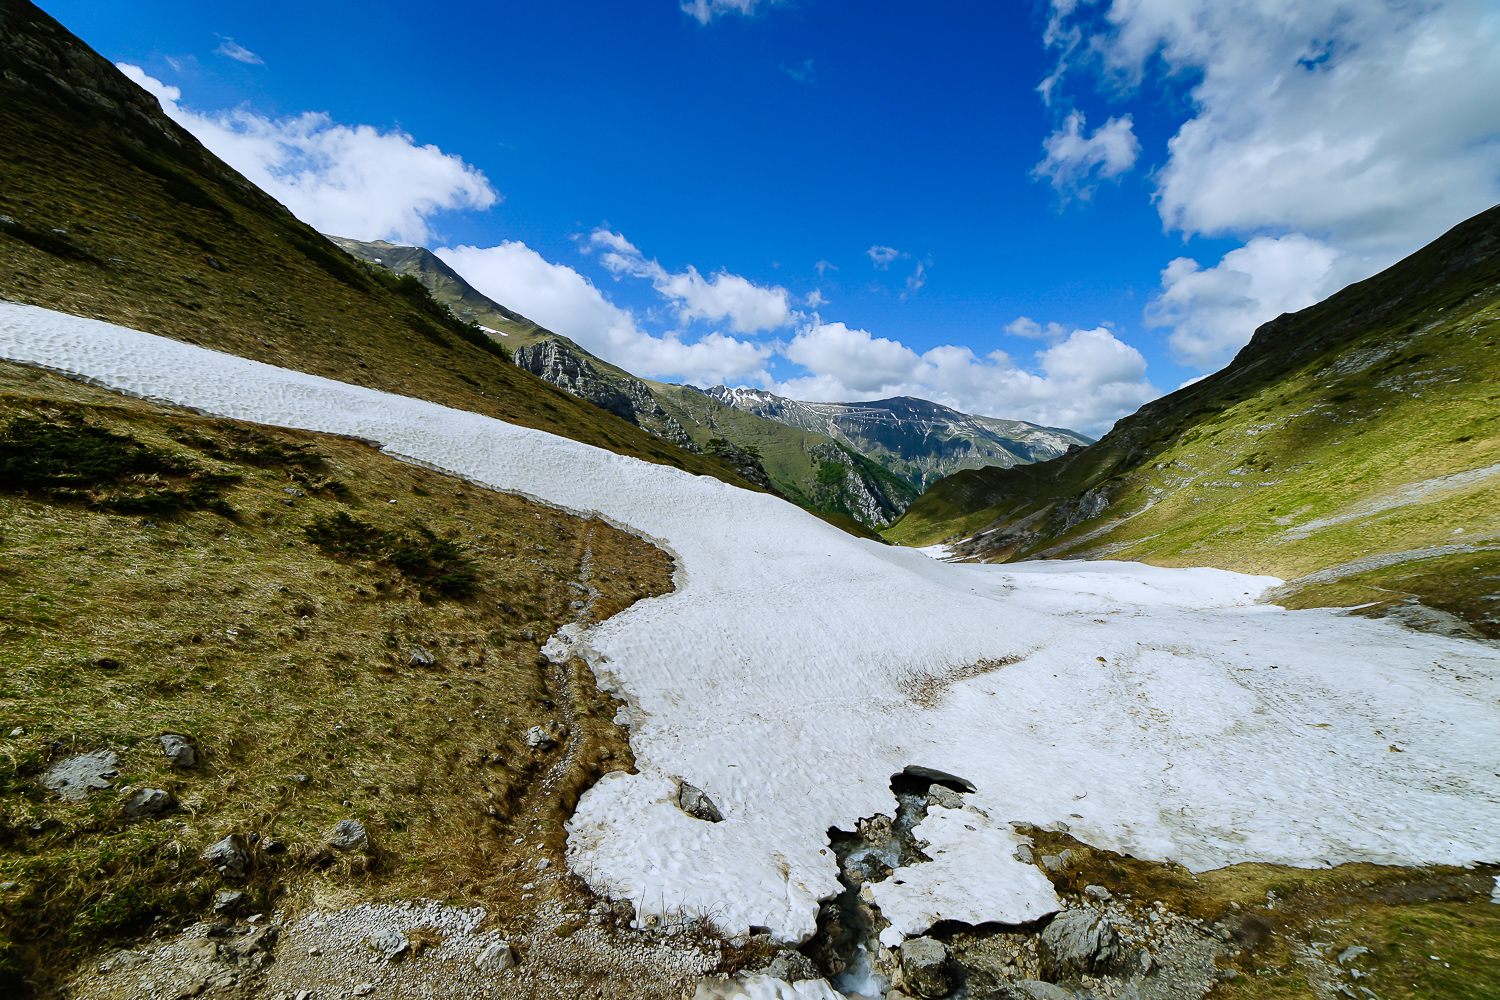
108 209
336 633
1352 448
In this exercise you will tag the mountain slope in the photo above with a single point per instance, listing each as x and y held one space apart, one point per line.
1352 448
108 209
809 468
919 440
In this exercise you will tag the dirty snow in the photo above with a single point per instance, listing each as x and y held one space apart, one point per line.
795 669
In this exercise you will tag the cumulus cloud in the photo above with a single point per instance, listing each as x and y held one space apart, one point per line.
706 10
815 299
1086 381
1367 127
1075 159
566 302
881 257
747 306
353 181
1025 326
1213 311
229 47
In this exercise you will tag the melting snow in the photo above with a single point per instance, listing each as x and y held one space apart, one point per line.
795 669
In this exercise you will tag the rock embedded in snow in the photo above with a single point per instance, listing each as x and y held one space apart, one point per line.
178 750
1080 942
695 802
941 795
926 967
348 835
74 777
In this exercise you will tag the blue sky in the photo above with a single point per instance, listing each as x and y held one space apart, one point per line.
1047 211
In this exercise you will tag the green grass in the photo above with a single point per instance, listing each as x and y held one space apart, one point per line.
1329 415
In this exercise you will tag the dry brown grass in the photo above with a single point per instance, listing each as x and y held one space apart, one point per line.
280 661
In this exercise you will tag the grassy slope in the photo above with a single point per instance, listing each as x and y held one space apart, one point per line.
1342 411
162 236
280 659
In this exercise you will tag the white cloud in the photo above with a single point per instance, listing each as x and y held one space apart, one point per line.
881 257
1367 126
353 181
823 265
915 280
1073 159
748 307
815 299
566 302
229 47
1085 382
707 10
1213 312
1024 326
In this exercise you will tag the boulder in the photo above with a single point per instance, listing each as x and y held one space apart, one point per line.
226 900
926 967
538 739
695 802
178 750
75 777
942 795
792 967
229 856
147 802
348 835
389 943
1080 941
497 957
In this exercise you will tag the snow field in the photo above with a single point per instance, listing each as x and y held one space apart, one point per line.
796 668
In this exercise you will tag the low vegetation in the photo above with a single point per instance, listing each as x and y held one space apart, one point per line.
360 641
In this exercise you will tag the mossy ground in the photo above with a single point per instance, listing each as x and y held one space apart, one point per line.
1431 932
278 659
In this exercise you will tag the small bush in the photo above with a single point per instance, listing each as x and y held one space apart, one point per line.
439 566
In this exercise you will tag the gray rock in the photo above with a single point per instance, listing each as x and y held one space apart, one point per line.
257 939
1032 989
420 658
538 739
696 803
792 967
1052 862
926 967
363 989
75 777
227 899
348 835
1080 941
1352 952
942 795
178 750
1024 855
389 943
1097 892
229 856
497 957
147 802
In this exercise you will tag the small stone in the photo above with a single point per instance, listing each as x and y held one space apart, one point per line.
926 967
178 750
695 802
363 989
1024 855
75 777
229 856
1147 960
17 732
1097 892
389 942
497 957
1066 857
292 491
301 779
537 738
1052 862
147 802
227 899
419 657
348 835
1352 952
792 967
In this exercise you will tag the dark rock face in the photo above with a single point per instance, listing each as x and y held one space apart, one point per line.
926 967
695 802
627 398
